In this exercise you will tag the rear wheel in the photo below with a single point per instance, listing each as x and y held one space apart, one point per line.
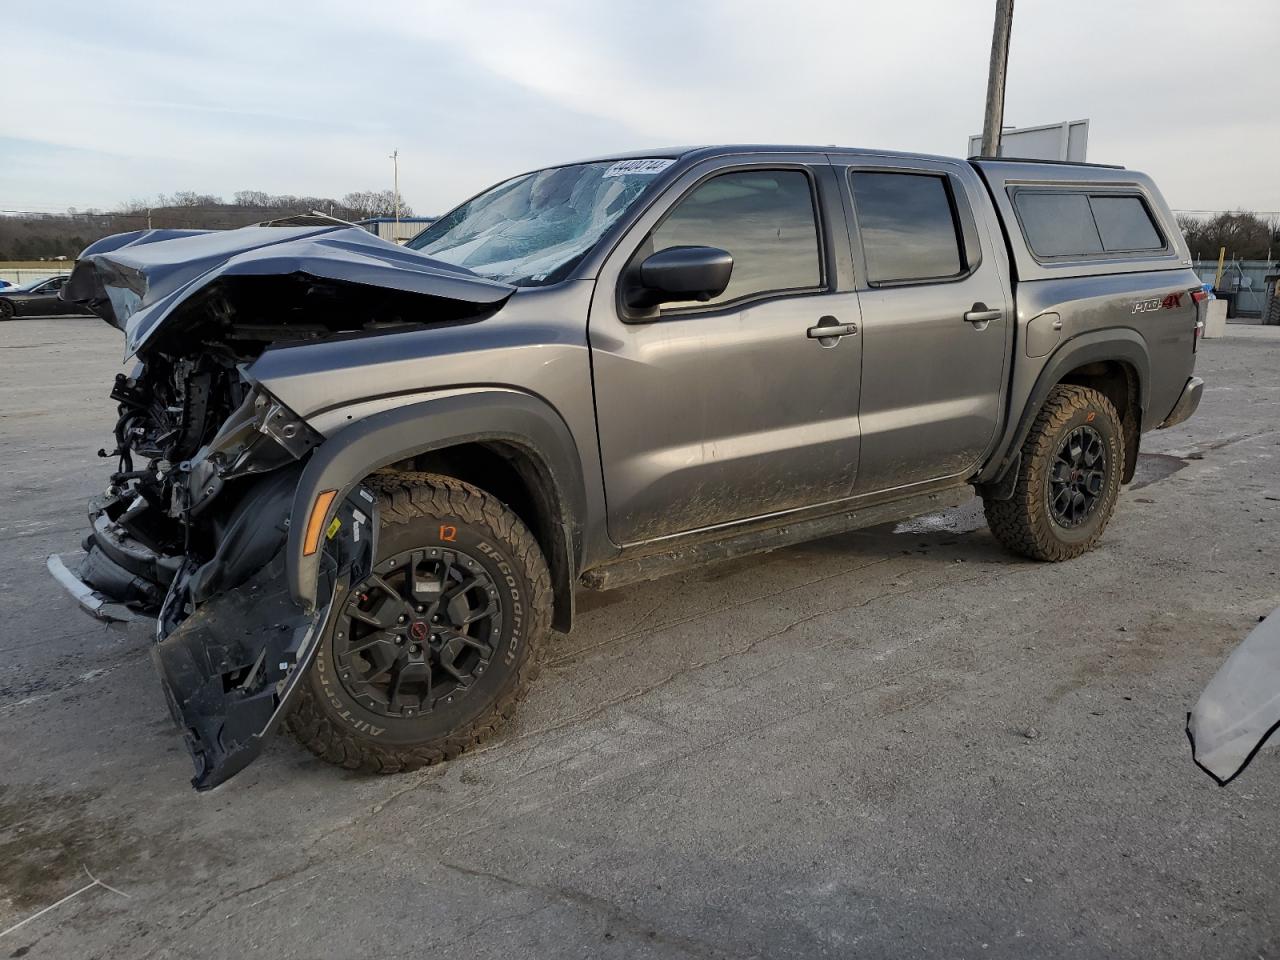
430 654
6 310
1068 480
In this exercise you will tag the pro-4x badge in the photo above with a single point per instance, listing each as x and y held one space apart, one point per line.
1157 303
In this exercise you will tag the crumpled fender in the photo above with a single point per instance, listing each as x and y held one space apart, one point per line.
140 281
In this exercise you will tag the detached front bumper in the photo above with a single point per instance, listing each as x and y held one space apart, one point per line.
1187 403
231 650
230 669
91 601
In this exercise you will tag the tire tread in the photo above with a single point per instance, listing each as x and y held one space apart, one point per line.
1021 523
404 498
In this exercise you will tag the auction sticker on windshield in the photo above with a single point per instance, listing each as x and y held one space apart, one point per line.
643 167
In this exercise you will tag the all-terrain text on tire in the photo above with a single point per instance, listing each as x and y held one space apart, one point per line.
431 652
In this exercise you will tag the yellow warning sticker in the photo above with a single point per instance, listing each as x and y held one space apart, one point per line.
334 527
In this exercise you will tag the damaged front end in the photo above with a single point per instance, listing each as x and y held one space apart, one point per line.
193 528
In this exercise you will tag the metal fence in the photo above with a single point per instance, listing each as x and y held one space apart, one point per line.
28 274
1243 281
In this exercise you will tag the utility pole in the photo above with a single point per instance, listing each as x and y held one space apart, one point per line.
993 122
395 166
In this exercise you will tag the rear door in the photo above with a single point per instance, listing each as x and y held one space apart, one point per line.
710 413
937 324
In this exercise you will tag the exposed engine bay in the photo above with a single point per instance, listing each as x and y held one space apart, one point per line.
187 429
192 530
194 525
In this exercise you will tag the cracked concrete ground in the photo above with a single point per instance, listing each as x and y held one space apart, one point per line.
880 744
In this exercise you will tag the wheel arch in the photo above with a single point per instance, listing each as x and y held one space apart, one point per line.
1113 361
500 438
1119 382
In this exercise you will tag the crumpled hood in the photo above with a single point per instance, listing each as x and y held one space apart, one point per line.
139 281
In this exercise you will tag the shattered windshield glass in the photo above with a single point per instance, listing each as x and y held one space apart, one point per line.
533 229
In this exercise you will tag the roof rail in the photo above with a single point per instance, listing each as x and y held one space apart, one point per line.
1063 163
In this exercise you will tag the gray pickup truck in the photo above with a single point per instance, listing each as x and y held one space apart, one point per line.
357 485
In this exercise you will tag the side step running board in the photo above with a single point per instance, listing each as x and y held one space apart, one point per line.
677 558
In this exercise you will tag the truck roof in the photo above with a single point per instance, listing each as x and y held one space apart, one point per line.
730 149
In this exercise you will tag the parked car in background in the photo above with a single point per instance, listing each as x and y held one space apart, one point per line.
39 298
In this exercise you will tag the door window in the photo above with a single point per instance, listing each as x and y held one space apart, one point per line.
765 219
908 227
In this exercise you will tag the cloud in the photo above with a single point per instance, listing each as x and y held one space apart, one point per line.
311 97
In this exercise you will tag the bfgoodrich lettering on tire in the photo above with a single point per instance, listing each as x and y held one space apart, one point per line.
1068 480
430 654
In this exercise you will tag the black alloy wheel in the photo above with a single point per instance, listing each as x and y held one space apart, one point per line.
418 631
1078 477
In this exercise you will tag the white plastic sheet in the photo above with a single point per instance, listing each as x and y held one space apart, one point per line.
1240 708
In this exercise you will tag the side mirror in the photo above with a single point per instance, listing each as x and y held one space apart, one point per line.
680 273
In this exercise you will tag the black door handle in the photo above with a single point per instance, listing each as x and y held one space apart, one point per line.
829 331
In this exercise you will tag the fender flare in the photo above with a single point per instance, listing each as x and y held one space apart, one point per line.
354 452
1117 343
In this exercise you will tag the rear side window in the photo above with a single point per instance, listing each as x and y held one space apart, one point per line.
765 219
1058 224
908 226
1125 224
1078 224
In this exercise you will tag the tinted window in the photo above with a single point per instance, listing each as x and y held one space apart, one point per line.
907 226
1125 224
1081 225
765 219
1058 224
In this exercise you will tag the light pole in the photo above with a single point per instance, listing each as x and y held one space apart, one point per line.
395 167
993 122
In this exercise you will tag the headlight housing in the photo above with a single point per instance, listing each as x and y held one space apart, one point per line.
260 436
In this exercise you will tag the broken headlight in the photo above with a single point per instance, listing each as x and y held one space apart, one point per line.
260 436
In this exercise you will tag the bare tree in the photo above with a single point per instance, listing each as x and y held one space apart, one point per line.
375 203
253 198
1245 235
189 198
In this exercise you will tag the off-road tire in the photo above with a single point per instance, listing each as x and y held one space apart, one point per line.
415 508
1024 523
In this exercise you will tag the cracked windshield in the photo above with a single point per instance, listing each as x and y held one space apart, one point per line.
533 229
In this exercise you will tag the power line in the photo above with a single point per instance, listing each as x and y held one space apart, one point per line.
1257 213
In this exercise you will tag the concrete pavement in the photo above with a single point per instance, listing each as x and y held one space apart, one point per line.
881 744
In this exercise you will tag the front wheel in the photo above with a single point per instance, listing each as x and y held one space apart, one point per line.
430 653
6 310
1068 479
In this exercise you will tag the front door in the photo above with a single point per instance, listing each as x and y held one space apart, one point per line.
937 323
47 302
722 411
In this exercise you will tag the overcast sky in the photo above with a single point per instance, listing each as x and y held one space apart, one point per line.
110 101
